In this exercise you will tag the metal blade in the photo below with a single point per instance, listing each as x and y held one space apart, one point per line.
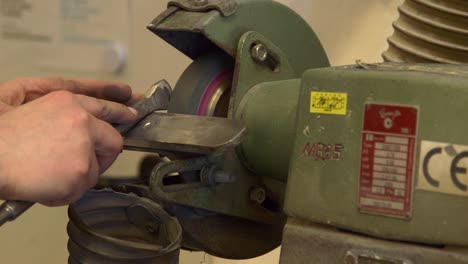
185 133
156 98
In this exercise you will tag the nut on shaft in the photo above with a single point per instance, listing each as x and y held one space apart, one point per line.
259 53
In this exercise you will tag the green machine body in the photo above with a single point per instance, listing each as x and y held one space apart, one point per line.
382 150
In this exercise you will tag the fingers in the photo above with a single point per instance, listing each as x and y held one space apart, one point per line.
107 110
33 88
94 172
79 187
135 97
112 91
55 203
108 143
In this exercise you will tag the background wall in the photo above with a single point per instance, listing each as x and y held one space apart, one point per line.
348 29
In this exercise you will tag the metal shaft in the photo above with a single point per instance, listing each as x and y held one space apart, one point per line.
10 210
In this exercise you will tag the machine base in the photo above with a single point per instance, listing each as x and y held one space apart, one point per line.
305 242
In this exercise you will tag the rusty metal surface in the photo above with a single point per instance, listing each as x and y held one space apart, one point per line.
110 227
430 31
185 133
304 242
225 7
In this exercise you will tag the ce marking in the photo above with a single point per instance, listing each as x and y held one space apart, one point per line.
455 170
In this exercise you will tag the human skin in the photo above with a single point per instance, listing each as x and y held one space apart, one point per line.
56 138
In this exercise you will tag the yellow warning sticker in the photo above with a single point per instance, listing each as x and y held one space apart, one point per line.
328 103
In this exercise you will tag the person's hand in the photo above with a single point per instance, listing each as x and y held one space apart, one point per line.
17 92
54 144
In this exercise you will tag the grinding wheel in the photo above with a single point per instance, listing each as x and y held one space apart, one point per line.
204 89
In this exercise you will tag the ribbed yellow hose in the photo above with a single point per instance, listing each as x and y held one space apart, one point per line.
430 31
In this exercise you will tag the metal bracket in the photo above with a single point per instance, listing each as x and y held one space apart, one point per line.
163 169
225 7
250 71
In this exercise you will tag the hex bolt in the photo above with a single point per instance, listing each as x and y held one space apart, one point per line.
259 53
214 176
223 177
199 3
257 195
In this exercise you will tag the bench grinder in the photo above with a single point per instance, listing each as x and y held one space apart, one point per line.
264 144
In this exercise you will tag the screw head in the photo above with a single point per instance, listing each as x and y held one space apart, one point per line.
258 195
259 53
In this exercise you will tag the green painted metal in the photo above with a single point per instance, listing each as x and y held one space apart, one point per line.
249 73
291 45
195 33
277 23
225 7
327 191
306 242
255 105
269 111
